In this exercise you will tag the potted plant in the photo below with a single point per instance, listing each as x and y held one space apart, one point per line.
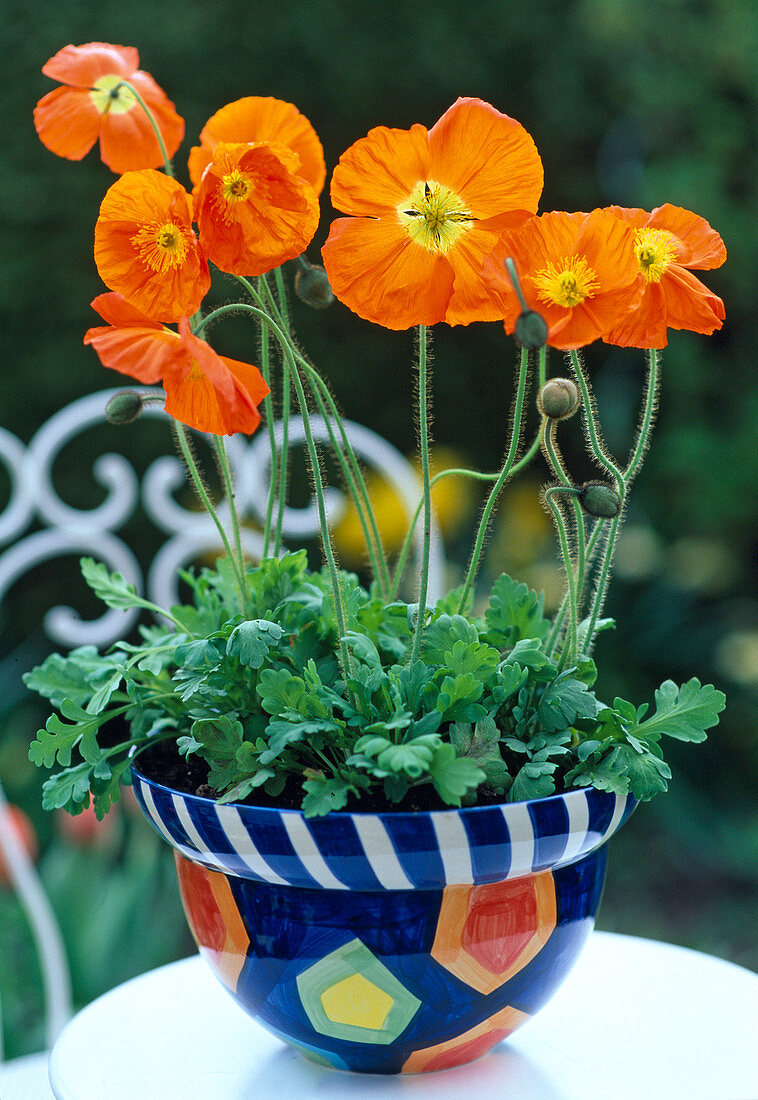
390 818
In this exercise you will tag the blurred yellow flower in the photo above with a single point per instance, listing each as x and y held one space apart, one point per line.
454 500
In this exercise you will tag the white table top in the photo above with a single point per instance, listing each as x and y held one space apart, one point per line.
635 1020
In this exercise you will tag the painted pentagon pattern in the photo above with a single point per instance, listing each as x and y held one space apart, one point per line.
350 994
486 934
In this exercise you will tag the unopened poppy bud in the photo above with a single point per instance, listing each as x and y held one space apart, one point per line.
312 287
124 407
558 399
600 500
531 330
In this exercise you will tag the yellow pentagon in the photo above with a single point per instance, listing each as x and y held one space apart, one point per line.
358 1002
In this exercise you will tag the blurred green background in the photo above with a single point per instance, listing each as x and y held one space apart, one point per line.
636 102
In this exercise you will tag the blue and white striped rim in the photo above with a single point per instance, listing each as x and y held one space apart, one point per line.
385 851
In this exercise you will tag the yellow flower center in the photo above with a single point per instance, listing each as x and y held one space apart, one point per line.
236 186
566 283
434 216
109 94
161 247
656 249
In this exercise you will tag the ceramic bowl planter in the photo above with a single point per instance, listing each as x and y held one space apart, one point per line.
393 942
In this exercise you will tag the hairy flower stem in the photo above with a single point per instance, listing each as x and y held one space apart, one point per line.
570 648
505 473
292 376
161 144
343 449
197 480
641 443
423 429
353 475
550 644
226 474
577 567
591 426
475 475
268 407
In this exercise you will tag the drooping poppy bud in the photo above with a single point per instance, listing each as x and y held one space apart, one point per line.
312 286
600 500
558 399
124 407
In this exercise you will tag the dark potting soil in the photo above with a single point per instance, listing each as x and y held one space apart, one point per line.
163 764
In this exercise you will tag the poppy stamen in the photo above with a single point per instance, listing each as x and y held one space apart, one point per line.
434 216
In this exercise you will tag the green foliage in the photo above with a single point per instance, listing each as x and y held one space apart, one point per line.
484 714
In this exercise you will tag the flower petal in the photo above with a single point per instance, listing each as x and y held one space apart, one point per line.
203 392
67 122
379 273
380 170
472 298
115 309
487 157
81 66
262 119
274 222
701 246
128 141
689 303
142 353
164 285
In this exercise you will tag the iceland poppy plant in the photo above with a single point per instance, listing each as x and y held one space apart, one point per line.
427 206
261 119
579 271
97 102
669 242
204 390
253 209
146 248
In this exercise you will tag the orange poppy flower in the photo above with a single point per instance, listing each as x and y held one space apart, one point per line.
427 206
252 209
204 390
668 242
146 248
261 118
94 105
580 271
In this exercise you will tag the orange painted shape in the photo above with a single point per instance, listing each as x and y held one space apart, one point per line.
471 1044
486 934
496 934
213 918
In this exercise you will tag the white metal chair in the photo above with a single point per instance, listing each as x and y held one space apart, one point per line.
62 530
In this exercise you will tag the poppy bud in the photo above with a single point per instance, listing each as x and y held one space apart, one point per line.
558 399
312 287
124 407
600 500
531 330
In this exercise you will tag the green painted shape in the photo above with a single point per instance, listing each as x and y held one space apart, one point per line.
355 958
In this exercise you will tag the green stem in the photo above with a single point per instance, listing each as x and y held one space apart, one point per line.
569 650
550 643
202 492
591 424
161 144
641 443
407 542
352 474
226 474
268 406
505 473
326 541
649 404
423 427
555 460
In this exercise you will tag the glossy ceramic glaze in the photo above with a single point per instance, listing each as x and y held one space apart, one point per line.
389 943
